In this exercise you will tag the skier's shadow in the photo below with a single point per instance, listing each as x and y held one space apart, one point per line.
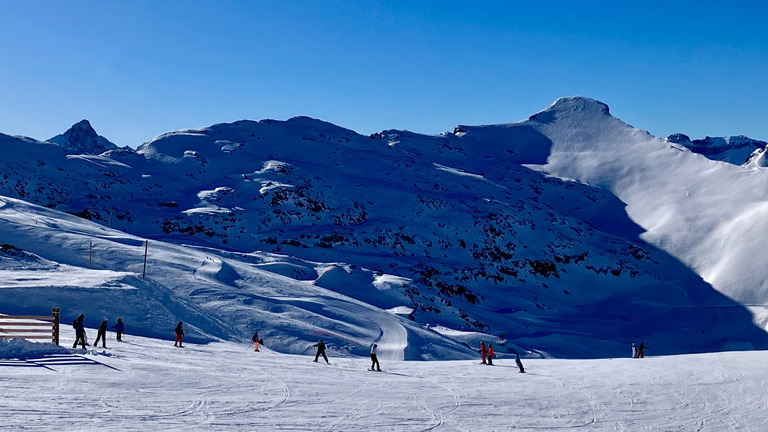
20 363
395 373
51 361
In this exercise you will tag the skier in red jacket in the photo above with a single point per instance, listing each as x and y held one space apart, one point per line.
490 354
482 351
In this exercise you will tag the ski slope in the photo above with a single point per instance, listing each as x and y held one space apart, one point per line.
219 296
147 384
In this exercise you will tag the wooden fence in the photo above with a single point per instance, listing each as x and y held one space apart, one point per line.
30 326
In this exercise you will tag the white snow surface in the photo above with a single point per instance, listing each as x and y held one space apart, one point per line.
148 384
703 212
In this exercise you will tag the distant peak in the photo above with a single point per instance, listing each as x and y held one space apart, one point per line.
82 138
731 149
83 125
569 105
579 103
82 128
679 138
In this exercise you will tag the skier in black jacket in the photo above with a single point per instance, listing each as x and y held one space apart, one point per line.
102 334
79 331
321 351
519 363
375 358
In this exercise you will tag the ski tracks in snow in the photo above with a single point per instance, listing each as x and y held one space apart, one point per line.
224 386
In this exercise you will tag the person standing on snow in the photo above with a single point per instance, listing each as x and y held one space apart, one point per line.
321 350
102 334
375 358
119 327
519 363
482 351
490 355
179 335
79 331
634 350
641 350
255 340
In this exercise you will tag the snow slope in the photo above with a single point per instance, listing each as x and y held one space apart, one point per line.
569 234
216 296
702 212
147 384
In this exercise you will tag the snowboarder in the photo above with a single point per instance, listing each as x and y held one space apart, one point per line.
634 350
321 351
255 340
102 334
490 354
179 335
119 327
79 331
519 363
374 358
641 350
482 351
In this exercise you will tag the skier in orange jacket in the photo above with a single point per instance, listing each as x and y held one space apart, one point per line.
482 350
490 354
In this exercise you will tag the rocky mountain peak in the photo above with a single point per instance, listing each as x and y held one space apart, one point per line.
82 138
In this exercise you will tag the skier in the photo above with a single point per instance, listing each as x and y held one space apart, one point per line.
634 350
119 327
641 350
490 354
321 350
102 334
255 340
482 351
179 335
374 358
79 331
519 363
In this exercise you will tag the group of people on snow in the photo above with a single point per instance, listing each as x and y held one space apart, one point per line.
486 356
101 334
486 353
638 351
375 365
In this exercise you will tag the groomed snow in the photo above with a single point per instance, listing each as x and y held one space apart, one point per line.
147 384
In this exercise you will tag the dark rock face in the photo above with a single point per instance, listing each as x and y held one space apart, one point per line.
81 138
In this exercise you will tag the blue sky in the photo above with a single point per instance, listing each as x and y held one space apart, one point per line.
136 69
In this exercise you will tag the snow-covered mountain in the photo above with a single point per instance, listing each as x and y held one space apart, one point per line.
732 149
568 234
81 138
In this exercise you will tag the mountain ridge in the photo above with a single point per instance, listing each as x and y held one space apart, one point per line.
527 229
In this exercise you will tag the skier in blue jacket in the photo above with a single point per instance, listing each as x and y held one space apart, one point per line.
119 327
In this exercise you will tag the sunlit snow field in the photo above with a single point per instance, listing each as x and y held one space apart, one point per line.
147 384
